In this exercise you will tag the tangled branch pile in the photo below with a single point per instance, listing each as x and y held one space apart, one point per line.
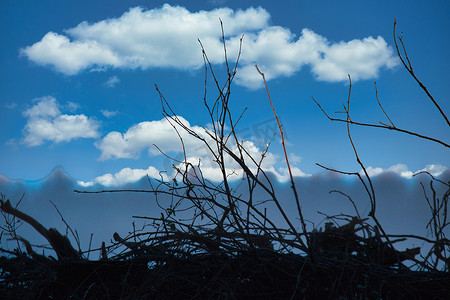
179 260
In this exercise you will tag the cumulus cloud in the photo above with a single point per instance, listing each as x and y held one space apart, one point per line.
162 37
124 176
85 183
146 135
112 81
46 122
403 171
69 57
166 37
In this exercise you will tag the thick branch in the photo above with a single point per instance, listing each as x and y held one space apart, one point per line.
59 243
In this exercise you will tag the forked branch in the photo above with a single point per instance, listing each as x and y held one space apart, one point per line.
408 66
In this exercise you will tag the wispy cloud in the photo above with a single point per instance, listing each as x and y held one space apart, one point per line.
11 105
217 2
11 143
294 159
72 106
112 81
108 113
47 123
166 37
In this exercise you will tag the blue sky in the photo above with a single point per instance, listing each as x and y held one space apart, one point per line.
77 85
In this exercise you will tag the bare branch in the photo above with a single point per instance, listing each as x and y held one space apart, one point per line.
297 201
411 71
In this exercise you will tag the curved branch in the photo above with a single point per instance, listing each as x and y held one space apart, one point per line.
411 71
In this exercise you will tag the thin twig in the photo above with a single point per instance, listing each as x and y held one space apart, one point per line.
411 71
297 201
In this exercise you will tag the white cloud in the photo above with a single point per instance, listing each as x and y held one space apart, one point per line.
11 143
46 122
209 171
166 37
112 81
277 53
69 57
434 170
109 113
362 59
371 171
11 105
145 135
282 173
45 107
162 37
85 184
217 2
72 106
402 170
125 176
294 159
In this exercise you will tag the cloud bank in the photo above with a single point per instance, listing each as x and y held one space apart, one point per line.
401 206
47 123
167 37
